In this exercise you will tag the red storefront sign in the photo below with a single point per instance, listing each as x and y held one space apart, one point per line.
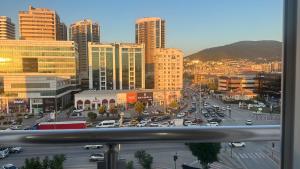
131 97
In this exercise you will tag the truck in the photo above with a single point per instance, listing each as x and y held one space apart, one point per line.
61 125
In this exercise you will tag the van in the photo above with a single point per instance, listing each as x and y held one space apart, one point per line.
4 152
106 124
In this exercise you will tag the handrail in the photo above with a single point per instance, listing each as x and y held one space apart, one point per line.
144 135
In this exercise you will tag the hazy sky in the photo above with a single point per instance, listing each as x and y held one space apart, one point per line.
191 25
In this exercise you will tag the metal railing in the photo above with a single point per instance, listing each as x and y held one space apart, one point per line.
130 135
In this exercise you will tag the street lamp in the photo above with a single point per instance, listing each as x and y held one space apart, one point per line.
175 157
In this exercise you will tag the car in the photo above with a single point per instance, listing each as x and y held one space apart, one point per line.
223 108
165 124
141 124
154 124
218 120
97 157
249 122
212 124
4 152
221 114
180 115
192 125
237 144
15 149
26 116
107 124
16 127
228 108
186 123
206 115
96 146
9 166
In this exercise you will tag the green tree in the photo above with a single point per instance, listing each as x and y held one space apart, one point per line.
102 109
129 165
113 110
35 163
139 107
205 152
173 104
92 116
144 159
58 161
19 120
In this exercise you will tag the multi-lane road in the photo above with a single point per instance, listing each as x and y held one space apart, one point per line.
256 155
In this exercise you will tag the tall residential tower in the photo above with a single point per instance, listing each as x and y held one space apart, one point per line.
151 32
39 24
7 28
82 32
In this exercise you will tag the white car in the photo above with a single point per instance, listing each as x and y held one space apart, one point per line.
9 166
165 124
15 149
93 146
180 115
237 144
16 127
249 122
97 157
212 124
141 124
187 123
4 152
223 108
154 124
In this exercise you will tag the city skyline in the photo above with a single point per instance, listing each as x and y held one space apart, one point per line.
182 30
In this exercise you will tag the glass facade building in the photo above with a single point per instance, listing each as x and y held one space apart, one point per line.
37 76
116 66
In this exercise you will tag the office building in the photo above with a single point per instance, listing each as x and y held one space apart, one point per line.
82 32
247 81
39 24
151 32
116 66
37 76
7 28
168 69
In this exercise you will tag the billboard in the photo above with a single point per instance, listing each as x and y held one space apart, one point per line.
131 97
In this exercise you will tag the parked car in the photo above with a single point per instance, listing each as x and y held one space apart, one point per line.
106 124
237 144
186 123
4 152
16 127
192 125
96 146
9 166
249 122
180 115
15 149
218 120
165 124
141 124
97 157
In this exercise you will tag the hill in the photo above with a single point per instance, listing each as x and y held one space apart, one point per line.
251 50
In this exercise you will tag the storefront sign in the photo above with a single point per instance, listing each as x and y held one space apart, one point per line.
18 101
131 97
145 97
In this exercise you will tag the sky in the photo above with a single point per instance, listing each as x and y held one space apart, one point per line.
191 25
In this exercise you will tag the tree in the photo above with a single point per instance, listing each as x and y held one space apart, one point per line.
144 159
139 107
92 116
102 109
19 120
205 152
129 165
173 104
35 163
113 110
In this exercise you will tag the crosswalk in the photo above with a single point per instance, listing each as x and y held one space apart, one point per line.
254 155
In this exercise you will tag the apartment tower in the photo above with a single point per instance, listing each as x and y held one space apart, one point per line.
7 28
151 32
82 32
39 24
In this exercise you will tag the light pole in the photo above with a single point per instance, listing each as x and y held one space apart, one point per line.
175 157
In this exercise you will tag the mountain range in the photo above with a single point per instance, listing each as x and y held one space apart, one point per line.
265 50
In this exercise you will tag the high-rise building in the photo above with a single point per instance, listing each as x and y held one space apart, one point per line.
82 32
116 66
168 69
63 31
7 28
151 32
39 24
37 76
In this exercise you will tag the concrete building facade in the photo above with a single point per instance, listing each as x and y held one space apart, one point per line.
168 69
7 28
151 32
82 32
39 24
